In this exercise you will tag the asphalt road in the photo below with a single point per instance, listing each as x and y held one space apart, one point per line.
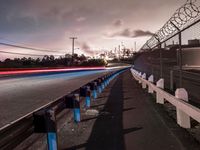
21 95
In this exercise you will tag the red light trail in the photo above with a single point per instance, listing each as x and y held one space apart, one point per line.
41 70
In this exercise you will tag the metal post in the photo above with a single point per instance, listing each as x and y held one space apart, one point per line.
51 130
179 54
171 80
87 97
119 49
73 39
180 60
161 61
77 112
45 122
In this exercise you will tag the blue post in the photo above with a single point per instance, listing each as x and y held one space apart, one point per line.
95 90
52 141
94 94
102 84
87 98
77 115
45 122
107 81
77 112
99 89
51 130
87 101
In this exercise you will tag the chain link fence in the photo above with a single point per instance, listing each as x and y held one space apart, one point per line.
173 53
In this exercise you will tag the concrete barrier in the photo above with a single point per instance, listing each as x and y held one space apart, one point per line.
182 118
144 86
150 79
180 100
159 96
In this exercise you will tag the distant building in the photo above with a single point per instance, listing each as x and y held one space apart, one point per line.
194 42
191 56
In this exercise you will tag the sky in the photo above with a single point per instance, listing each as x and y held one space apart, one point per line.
98 24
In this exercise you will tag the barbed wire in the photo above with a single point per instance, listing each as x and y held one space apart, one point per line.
182 18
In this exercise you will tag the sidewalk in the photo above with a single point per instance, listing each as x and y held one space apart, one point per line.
127 120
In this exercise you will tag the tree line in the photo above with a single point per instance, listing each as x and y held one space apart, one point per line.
51 61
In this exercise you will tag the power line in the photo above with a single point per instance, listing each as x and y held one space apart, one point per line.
27 48
25 54
27 45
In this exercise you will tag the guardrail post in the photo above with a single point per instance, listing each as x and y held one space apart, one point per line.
102 84
45 122
87 98
150 79
171 80
182 118
51 130
77 111
159 96
95 90
140 74
99 86
72 101
106 80
144 86
86 92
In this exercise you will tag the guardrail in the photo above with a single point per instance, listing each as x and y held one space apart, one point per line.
43 120
184 110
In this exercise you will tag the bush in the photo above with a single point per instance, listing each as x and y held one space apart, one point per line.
94 62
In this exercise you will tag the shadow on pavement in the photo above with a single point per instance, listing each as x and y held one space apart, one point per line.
108 132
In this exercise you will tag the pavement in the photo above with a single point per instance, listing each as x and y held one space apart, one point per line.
128 120
22 95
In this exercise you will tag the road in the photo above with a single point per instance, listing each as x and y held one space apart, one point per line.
21 95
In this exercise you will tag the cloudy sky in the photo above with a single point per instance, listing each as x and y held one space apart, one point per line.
98 24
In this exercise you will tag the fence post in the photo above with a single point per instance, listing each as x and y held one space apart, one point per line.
171 80
95 90
159 96
140 75
87 98
77 112
45 122
150 79
99 85
182 118
102 83
143 83
51 130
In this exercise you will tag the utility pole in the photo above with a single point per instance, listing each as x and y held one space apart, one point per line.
119 50
73 39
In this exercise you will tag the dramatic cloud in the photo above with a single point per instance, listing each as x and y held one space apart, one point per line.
86 48
80 19
118 23
130 33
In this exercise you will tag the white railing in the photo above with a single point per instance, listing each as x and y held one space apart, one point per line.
184 110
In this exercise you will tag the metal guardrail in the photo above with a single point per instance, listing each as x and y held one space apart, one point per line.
43 119
183 108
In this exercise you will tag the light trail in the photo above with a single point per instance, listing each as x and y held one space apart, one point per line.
29 71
